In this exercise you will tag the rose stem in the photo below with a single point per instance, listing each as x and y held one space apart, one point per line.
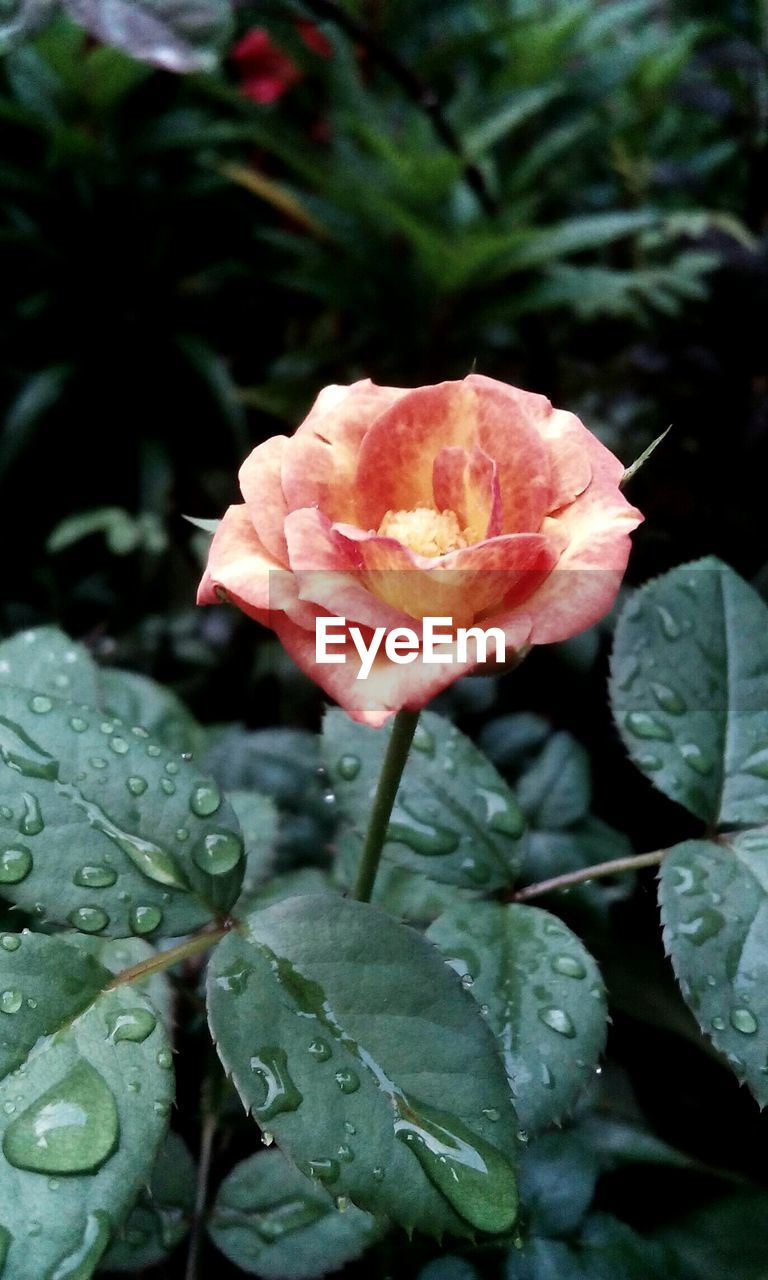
389 780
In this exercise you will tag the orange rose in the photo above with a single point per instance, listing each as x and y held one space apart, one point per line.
471 500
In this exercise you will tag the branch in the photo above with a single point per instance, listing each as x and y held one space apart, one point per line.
613 868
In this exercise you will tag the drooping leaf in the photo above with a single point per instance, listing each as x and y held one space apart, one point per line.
714 908
606 1250
689 690
543 995
455 819
160 1219
85 1090
347 1035
103 829
180 35
45 660
272 1221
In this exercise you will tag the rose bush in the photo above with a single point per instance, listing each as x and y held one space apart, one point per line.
470 499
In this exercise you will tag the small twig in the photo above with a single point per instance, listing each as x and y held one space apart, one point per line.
194 946
417 89
618 865
210 1124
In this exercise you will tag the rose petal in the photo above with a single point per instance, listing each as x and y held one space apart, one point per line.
569 458
238 563
396 458
261 487
319 464
466 481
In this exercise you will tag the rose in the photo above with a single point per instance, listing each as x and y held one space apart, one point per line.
470 499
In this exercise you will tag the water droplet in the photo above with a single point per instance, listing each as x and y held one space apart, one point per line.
167 787
219 853
743 1020
149 858
424 838
491 1113
648 762
280 1093
547 1079
569 966
349 1127
378 1173
136 785
643 725
134 1025
205 799
5 812
98 762
472 1175
557 1020
501 812
267 1138
342 1203
669 700
423 740
95 877
107 727
320 1050
78 724
165 1060
10 942
71 1128
325 1169
119 746
345 1153
695 758
15 865
703 927
81 1264
11 1001
348 1081
160 1107
145 919
348 767
153 751
40 704
181 834
89 919
172 767
670 627
522 1136
718 1024
32 822
467 980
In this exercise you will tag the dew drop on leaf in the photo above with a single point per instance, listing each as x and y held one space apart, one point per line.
569 966
32 821
136 785
320 1050
40 704
643 725
145 919
81 1264
89 919
324 1169
348 1081
205 799
72 1128
95 877
557 1020
218 853
349 767
10 942
15 864
11 1000
280 1092
744 1020
134 1025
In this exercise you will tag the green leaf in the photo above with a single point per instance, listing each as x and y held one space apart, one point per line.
726 1240
85 1091
558 1176
137 700
640 461
299 883
46 660
714 908
449 1268
455 819
103 829
689 690
180 35
556 790
271 1220
347 1035
517 110
160 1219
544 999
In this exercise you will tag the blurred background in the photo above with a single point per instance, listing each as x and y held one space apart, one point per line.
205 219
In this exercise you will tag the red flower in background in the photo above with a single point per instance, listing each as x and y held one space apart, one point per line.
265 70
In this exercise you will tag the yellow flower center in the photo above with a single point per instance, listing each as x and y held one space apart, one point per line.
427 532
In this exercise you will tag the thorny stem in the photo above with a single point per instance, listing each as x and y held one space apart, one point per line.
386 791
613 868
193 946
417 90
